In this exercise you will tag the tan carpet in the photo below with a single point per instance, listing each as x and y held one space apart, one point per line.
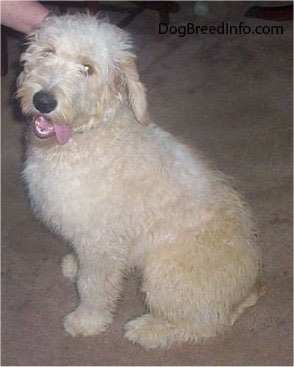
230 95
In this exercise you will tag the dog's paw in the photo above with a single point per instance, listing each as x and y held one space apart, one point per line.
84 322
150 332
69 267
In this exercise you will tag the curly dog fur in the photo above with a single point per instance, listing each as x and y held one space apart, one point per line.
124 193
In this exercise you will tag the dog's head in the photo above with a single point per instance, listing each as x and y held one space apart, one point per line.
78 69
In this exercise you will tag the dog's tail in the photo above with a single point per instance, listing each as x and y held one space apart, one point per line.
258 291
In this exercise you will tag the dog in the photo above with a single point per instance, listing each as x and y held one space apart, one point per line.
126 194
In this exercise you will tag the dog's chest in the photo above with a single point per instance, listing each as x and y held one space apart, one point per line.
69 195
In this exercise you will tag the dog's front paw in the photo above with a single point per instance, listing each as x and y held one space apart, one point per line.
84 322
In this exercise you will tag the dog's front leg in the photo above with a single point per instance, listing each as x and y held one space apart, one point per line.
99 285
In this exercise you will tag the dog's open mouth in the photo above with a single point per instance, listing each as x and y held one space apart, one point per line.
44 129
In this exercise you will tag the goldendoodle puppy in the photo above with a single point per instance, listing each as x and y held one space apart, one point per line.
125 193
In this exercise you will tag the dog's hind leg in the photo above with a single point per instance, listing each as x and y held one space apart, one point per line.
172 300
190 293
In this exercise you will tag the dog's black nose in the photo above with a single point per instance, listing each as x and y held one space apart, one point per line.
44 102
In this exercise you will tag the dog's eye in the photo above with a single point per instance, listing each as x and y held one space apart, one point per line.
47 52
88 69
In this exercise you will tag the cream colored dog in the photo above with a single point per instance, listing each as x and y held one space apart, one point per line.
126 194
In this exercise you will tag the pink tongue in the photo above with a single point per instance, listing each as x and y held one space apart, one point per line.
44 129
63 132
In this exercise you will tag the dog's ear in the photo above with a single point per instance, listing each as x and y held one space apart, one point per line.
136 90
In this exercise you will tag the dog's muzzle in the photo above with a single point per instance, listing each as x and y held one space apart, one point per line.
42 126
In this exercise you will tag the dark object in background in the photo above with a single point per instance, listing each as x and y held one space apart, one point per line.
132 8
4 58
278 13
